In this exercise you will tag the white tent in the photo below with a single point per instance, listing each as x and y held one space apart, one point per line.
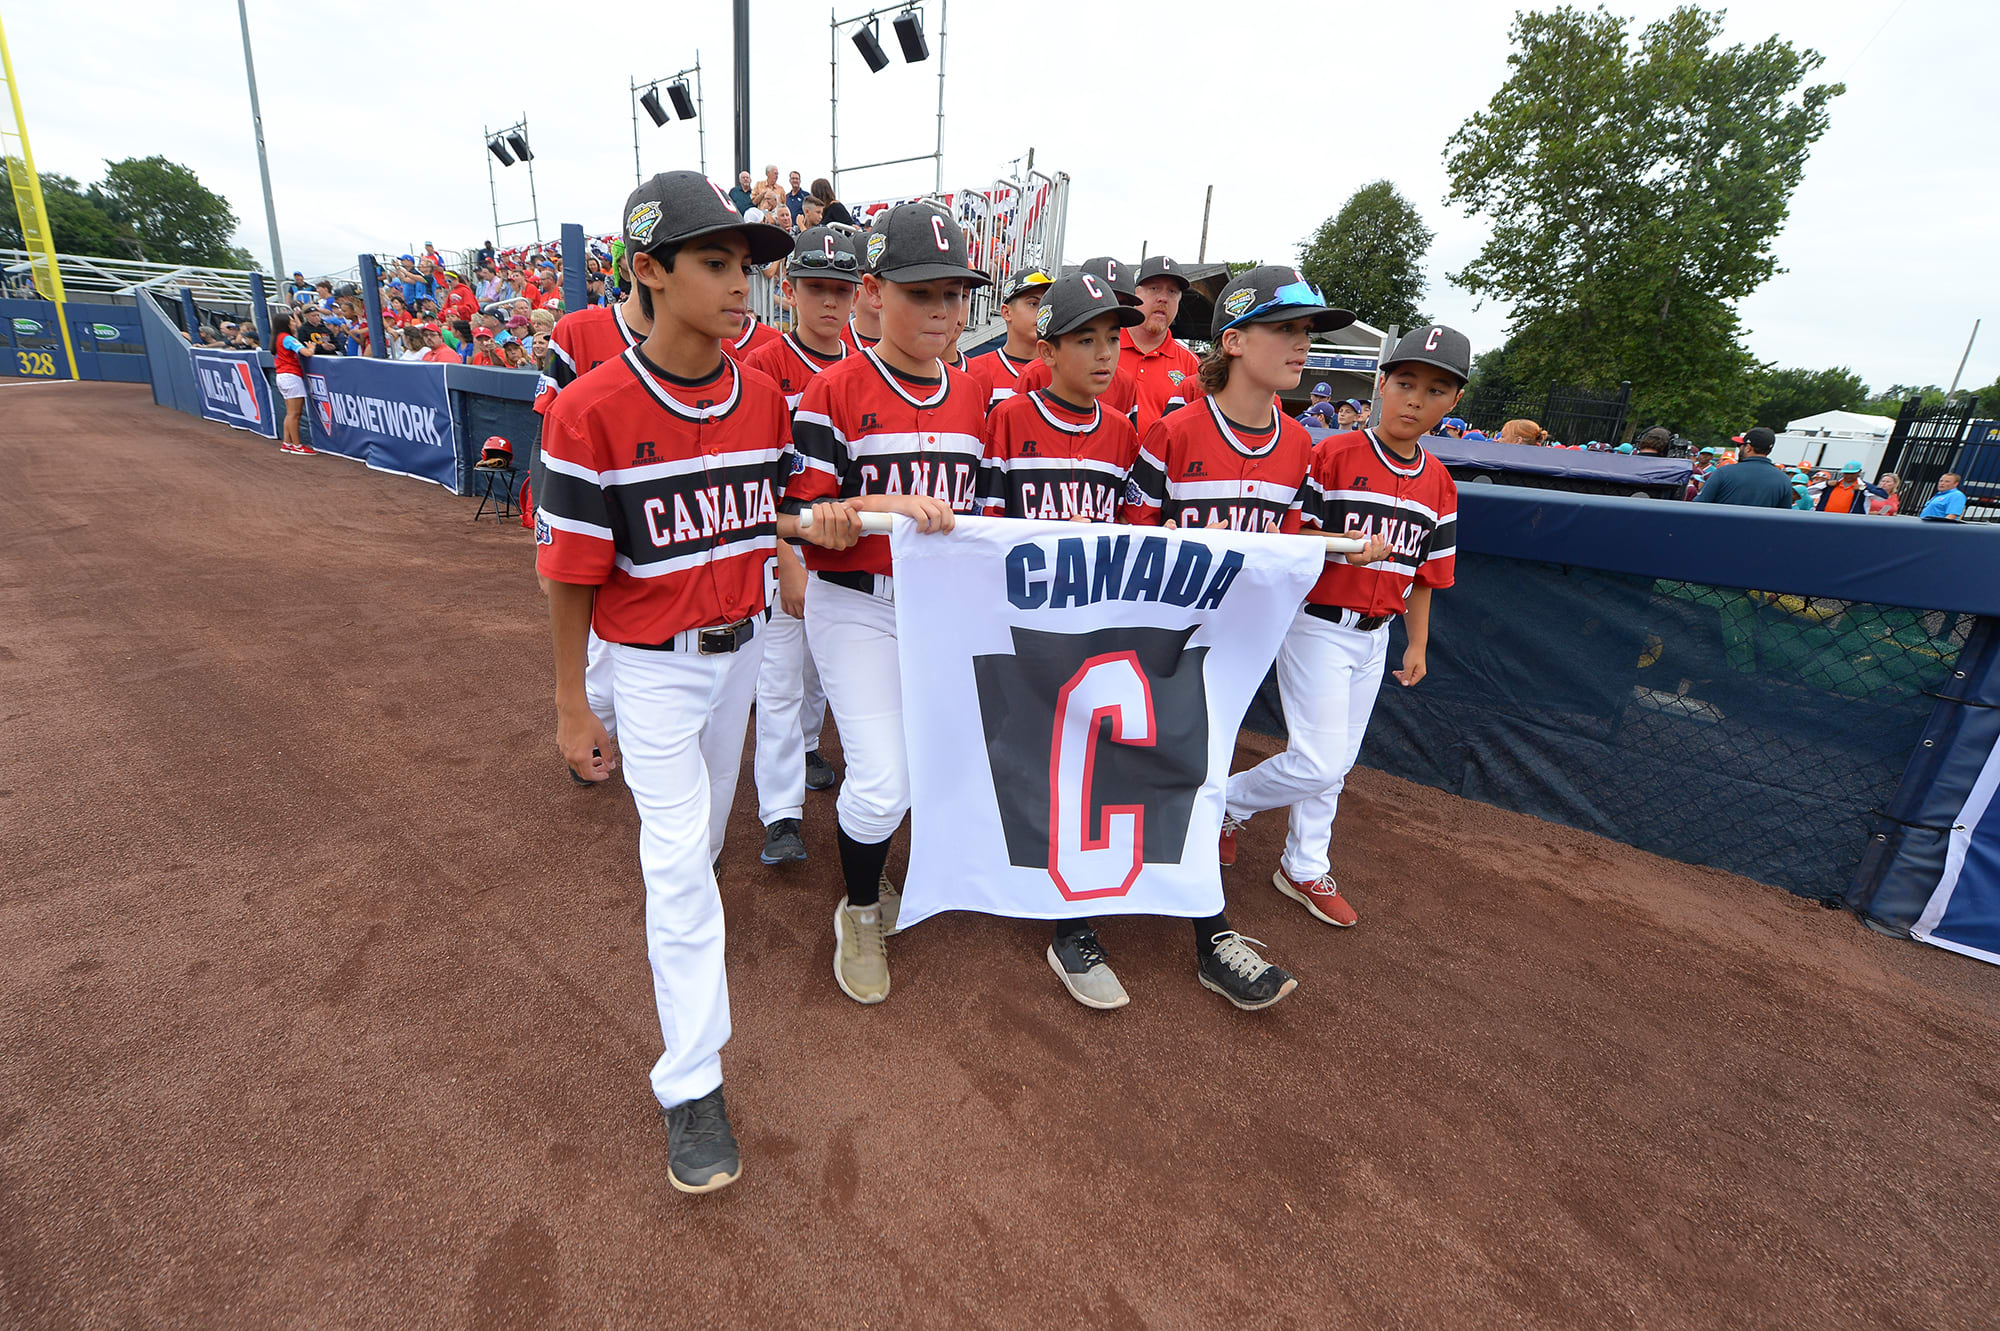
1834 438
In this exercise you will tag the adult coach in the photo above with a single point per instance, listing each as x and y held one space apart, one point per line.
1752 482
1158 362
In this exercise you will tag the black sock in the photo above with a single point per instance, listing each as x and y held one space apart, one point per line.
861 864
1205 932
1071 928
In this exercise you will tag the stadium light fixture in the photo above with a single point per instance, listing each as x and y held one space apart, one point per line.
499 150
909 26
677 93
869 44
650 99
519 142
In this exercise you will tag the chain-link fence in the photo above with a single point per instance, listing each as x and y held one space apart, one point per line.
1749 730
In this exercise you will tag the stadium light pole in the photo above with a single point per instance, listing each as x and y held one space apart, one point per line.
700 116
908 12
498 143
257 123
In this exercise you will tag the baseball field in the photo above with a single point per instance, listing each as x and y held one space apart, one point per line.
325 1004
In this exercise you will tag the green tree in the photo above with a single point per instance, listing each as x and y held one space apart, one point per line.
77 222
1634 194
1368 257
175 216
1787 395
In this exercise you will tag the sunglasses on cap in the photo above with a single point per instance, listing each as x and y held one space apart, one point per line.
840 260
1303 294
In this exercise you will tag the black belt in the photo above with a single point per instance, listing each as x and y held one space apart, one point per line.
718 641
855 582
1335 614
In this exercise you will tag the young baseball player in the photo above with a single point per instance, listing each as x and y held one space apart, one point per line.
581 341
1163 370
1381 485
756 335
864 327
892 430
998 372
1123 394
820 282
1055 453
1236 460
663 472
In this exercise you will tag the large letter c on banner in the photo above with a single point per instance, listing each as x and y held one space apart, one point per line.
1104 861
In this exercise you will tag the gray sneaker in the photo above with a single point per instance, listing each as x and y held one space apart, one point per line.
782 843
860 953
892 906
701 1149
1078 961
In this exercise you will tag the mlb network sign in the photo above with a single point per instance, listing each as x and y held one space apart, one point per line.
234 390
394 415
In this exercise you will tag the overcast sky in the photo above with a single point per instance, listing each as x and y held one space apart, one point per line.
1889 251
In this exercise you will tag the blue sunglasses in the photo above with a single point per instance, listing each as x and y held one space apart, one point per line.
1290 294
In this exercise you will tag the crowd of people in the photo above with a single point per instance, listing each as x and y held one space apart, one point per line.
1754 481
792 210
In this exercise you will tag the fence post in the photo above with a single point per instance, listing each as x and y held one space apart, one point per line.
190 319
371 298
1624 410
260 309
575 293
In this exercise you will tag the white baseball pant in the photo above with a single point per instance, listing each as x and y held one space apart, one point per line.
1328 677
853 640
597 682
684 716
791 709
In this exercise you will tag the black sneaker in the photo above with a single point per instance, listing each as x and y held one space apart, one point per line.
1235 971
782 843
819 772
701 1150
1079 962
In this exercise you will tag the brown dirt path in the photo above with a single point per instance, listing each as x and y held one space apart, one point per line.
325 1004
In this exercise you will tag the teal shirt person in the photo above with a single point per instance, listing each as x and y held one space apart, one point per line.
1948 505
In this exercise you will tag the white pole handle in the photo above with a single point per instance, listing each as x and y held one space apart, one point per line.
880 523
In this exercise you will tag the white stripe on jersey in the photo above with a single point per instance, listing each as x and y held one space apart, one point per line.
572 525
650 471
889 377
674 404
1015 466
552 463
1084 427
917 443
748 545
1379 499
1238 490
1229 435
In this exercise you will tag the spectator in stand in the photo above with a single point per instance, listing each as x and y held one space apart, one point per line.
594 290
1820 480
489 285
461 338
517 355
1948 504
296 285
1350 414
1524 431
486 254
252 342
1320 411
413 343
810 212
484 352
1753 482
795 198
832 210
1802 492
740 195
1451 427
436 350
410 281
1847 495
1655 442
1883 499
316 331
768 193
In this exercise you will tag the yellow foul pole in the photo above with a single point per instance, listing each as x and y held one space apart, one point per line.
27 186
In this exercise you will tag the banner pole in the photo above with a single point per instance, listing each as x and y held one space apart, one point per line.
879 524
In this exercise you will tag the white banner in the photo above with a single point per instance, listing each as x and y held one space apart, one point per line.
1071 696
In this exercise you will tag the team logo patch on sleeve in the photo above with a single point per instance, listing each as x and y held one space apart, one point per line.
642 221
1133 494
798 463
543 536
1239 302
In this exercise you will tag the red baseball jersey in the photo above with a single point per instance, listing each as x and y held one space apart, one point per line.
582 341
791 365
1165 378
999 374
1122 396
1359 488
1197 467
863 429
855 339
756 335
1045 459
663 495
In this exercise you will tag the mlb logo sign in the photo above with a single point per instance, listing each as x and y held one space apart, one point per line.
322 403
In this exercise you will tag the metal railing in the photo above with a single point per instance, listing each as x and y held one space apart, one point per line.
85 276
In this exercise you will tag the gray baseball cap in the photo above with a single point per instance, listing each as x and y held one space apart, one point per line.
1273 293
1070 302
915 242
1446 348
679 206
823 252
1119 275
1159 265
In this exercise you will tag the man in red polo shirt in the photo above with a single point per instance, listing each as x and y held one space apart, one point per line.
1162 366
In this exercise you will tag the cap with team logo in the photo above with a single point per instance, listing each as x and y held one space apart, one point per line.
1446 348
1274 293
1322 390
1119 275
1074 300
914 242
1025 281
823 252
675 207
1159 265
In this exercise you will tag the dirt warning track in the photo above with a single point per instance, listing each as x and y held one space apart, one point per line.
326 1004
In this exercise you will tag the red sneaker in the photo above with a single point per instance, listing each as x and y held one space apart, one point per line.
1321 897
1226 852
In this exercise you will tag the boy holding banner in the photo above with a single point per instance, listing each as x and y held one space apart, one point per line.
1055 453
1379 484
